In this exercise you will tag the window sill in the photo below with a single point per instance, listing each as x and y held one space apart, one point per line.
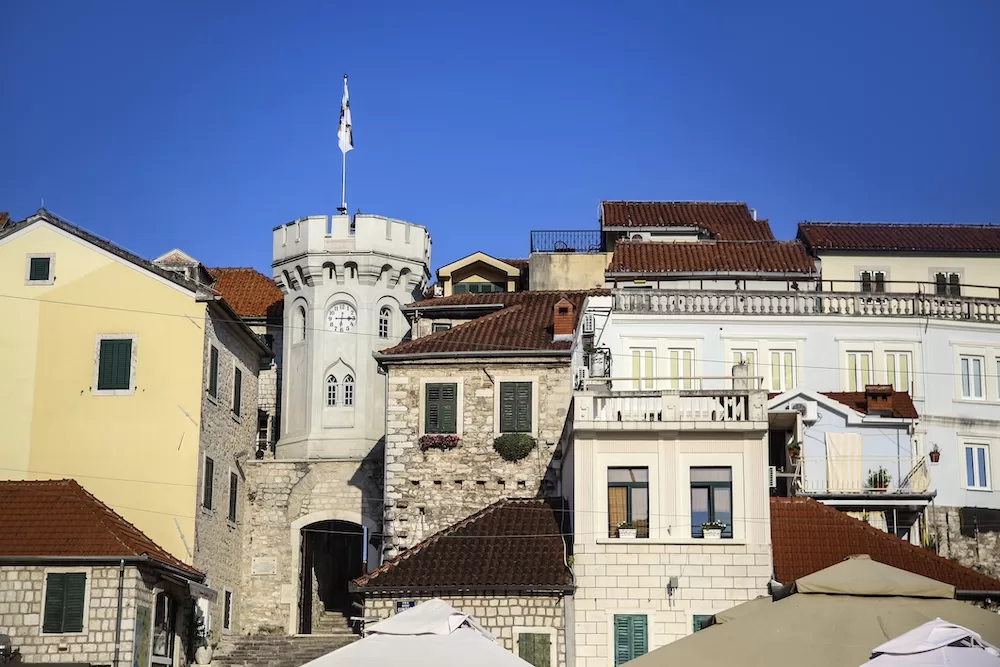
232 524
980 489
726 541
65 634
113 392
207 511
40 283
236 418
975 401
214 400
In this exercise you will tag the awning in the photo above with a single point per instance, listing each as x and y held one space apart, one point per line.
202 591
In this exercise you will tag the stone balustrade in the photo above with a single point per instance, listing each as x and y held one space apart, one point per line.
667 409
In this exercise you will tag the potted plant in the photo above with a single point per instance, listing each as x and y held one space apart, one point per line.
514 446
204 641
438 441
878 480
935 454
794 450
626 531
712 530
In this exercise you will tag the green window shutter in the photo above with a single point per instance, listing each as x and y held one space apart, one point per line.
534 648
432 405
39 268
238 391
213 372
522 408
507 407
75 590
700 620
55 602
440 407
115 364
638 636
449 408
623 642
208 484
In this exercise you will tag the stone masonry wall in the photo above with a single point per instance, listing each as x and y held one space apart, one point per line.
633 579
280 492
229 439
981 552
428 491
22 607
498 614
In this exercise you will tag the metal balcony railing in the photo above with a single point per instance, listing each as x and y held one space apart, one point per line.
566 240
854 475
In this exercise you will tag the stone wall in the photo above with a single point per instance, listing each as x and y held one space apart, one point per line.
428 491
229 439
981 552
500 615
633 579
22 595
283 497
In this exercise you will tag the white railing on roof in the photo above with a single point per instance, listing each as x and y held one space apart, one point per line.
690 406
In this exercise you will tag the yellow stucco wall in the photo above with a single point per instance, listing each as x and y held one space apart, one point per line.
137 453
913 269
567 270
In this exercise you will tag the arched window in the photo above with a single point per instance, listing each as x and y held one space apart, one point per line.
384 317
331 391
348 390
300 323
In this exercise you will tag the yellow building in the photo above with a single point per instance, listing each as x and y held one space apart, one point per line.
135 381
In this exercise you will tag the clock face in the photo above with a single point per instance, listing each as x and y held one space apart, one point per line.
342 317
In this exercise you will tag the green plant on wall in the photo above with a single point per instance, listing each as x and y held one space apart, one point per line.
514 446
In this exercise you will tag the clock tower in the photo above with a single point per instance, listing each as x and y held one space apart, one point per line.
345 281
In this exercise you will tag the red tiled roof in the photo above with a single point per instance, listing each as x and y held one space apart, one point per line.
60 519
512 544
807 536
711 257
4 217
521 264
522 321
878 236
248 291
731 221
900 402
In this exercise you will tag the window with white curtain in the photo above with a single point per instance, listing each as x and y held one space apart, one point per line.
782 370
898 367
859 370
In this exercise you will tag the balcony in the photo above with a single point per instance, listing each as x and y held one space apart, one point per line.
672 409
846 476
851 304
566 240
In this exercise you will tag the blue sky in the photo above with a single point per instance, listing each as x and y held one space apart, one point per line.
204 125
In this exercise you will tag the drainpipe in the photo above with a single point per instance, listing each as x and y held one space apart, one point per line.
118 620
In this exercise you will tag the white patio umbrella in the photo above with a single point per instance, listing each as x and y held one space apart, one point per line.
936 643
432 634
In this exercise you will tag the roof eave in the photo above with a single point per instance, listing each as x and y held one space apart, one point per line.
238 322
776 275
388 358
193 575
536 589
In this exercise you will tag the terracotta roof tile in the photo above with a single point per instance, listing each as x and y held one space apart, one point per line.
4 218
520 321
808 536
512 544
60 519
900 402
730 221
877 236
711 256
521 264
248 291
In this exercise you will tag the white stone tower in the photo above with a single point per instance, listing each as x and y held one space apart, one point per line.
344 283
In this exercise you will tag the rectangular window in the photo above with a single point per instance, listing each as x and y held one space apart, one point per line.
213 372
643 367
237 392
972 376
265 362
440 407
227 610
64 602
263 435
628 500
208 484
859 370
782 370
711 499
749 357
947 284
897 370
39 269
977 466
479 288
515 407
873 281
681 362
115 364
535 648
163 630
440 326
234 486
699 621
630 637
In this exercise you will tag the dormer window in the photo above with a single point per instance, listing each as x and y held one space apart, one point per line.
40 269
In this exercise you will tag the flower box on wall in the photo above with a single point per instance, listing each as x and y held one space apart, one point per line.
438 441
627 533
712 530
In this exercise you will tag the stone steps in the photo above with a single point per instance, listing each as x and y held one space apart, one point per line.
278 651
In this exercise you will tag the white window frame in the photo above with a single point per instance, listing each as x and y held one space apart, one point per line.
459 401
976 445
752 357
947 271
602 462
384 322
134 337
856 382
652 618
681 380
894 377
89 572
331 391
873 270
533 379
52 268
780 384
682 522
982 384
519 630
349 387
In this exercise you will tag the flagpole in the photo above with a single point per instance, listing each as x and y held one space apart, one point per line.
346 141
343 186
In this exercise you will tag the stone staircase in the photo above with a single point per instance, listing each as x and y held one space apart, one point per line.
277 650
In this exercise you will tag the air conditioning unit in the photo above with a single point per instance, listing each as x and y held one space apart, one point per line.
438 290
808 409
580 377
772 476
588 323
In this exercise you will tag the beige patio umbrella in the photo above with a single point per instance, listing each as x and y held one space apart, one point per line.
834 620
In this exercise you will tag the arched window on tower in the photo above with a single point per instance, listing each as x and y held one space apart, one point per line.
384 318
300 323
348 390
331 391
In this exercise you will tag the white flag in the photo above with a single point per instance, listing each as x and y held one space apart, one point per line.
345 133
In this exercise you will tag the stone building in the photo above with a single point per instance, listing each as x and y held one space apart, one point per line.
506 564
80 584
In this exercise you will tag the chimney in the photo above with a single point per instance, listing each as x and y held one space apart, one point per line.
878 399
753 213
563 320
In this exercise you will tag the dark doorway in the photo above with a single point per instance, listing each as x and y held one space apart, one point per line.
332 555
